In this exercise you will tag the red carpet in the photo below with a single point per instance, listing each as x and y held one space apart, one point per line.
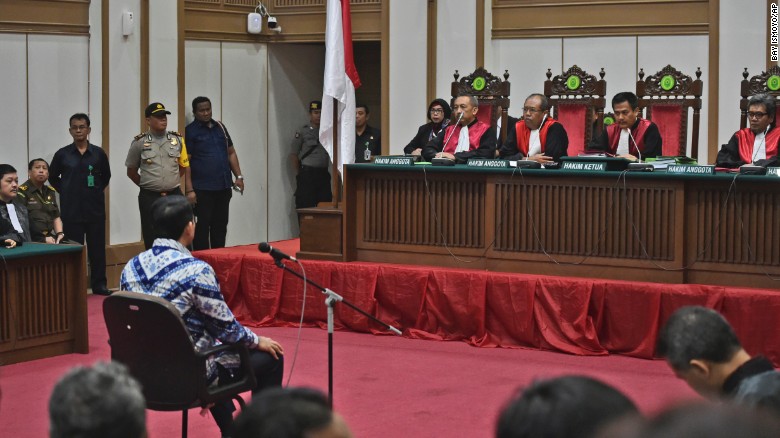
488 309
385 386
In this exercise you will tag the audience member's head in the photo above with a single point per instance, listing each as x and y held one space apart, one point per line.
571 406
173 218
97 402
290 413
439 111
701 347
9 182
706 421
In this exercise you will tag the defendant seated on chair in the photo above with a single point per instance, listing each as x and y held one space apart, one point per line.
169 271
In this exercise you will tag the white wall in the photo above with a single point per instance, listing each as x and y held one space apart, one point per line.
685 53
455 42
295 73
245 109
525 77
743 43
203 76
96 74
51 103
35 118
13 88
408 72
163 55
124 60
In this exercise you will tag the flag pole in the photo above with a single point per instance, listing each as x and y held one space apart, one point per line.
335 167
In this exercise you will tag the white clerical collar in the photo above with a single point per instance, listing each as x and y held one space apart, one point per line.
14 218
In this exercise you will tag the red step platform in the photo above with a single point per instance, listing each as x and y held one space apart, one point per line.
486 309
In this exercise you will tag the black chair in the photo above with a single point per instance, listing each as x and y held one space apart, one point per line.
147 334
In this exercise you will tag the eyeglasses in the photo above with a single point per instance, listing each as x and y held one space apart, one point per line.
532 110
79 127
756 115
437 111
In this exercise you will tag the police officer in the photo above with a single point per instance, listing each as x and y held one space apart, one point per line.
41 202
161 157
313 179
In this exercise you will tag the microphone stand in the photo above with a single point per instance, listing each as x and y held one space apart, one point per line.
332 298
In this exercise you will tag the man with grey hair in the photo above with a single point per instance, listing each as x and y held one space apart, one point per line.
98 401
702 349
756 143
468 138
539 138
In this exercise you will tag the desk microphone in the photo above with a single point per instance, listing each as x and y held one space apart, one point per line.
638 152
275 253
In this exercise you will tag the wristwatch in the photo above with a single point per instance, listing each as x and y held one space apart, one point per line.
240 177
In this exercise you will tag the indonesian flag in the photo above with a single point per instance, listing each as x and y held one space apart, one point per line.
341 79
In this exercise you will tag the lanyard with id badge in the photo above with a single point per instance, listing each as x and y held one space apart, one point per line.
90 177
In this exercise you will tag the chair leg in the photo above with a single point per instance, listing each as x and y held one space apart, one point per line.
184 423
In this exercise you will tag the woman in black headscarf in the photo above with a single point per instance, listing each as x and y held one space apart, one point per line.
439 113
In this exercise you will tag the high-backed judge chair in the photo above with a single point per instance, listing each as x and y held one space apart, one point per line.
575 97
147 334
666 98
767 82
490 91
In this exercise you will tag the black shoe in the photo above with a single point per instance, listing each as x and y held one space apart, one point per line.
101 291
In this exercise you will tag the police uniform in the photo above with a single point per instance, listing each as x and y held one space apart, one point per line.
158 159
313 179
42 210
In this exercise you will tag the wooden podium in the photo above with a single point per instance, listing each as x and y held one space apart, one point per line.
321 233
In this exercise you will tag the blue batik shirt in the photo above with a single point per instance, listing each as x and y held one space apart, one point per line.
169 271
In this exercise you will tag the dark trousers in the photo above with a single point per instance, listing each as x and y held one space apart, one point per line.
312 187
268 373
145 200
96 247
212 210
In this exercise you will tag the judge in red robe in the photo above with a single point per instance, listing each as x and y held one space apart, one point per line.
539 138
469 138
630 136
757 143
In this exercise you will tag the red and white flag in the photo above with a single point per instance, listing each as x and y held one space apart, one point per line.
341 80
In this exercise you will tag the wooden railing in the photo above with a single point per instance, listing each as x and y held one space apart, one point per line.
646 227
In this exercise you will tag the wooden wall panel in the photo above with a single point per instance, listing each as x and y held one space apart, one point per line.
549 18
745 230
5 308
45 16
585 220
407 211
301 20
